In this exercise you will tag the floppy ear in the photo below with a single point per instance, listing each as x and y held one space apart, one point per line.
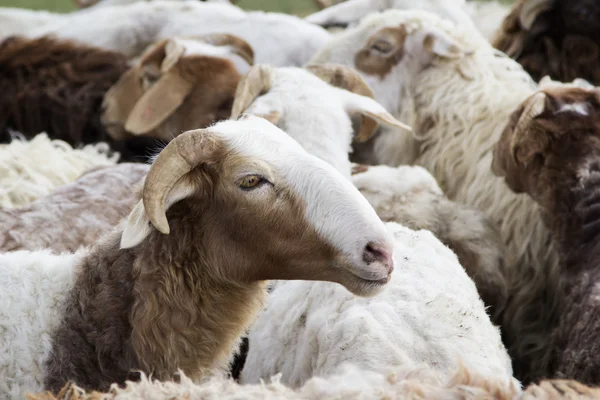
138 225
164 97
437 42
119 100
373 112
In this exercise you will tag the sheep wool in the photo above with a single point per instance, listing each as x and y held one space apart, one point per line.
32 169
429 313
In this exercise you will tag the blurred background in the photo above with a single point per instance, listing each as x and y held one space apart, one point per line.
299 7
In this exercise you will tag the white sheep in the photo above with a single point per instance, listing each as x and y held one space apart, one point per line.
485 16
19 21
457 93
174 285
278 39
75 214
23 178
430 313
314 106
411 196
104 3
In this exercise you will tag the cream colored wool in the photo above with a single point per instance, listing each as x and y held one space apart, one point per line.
350 384
32 169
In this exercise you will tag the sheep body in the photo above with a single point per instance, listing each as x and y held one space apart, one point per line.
277 39
19 21
75 214
411 196
23 178
310 329
458 105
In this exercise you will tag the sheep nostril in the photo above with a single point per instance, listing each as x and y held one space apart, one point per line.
376 253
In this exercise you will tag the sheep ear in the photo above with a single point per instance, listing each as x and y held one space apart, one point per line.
372 112
531 10
138 225
158 103
441 44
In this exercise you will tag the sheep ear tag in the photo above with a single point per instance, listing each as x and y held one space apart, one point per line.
158 103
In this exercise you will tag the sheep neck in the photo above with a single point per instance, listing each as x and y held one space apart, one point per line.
575 219
148 308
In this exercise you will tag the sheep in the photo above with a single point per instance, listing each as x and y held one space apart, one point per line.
18 21
75 214
557 38
351 383
23 178
313 106
486 16
549 150
277 39
82 94
411 196
103 3
310 329
457 93
234 204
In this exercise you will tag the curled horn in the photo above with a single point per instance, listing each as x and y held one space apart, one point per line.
346 78
85 3
239 46
180 156
535 106
256 82
531 9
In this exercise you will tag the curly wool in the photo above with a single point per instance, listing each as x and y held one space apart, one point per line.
350 383
32 169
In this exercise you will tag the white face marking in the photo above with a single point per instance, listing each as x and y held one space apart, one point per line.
334 207
577 108
197 47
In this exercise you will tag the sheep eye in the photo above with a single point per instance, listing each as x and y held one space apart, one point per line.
382 46
251 182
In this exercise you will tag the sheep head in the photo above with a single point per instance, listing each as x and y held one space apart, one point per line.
255 202
357 97
389 49
550 141
178 84
553 37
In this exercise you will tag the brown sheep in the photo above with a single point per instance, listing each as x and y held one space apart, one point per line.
82 94
558 38
75 214
551 151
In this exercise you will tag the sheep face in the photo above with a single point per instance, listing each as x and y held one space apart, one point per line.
264 206
179 84
390 49
550 142
559 38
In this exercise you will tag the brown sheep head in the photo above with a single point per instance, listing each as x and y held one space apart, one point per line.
549 142
178 84
559 38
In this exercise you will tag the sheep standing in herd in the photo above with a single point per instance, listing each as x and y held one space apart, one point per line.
456 92
75 214
178 282
556 38
551 151
82 94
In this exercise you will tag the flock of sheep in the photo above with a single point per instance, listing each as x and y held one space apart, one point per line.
385 199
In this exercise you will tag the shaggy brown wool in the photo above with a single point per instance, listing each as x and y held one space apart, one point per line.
551 150
563 42
57 86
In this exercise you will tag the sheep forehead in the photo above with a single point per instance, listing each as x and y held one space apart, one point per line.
323 189
199 48
413 20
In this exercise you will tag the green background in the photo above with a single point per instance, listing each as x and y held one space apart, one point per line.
301 7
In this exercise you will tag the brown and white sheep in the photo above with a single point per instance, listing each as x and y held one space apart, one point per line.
558 38
175 285
74 215
82 94
551 151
